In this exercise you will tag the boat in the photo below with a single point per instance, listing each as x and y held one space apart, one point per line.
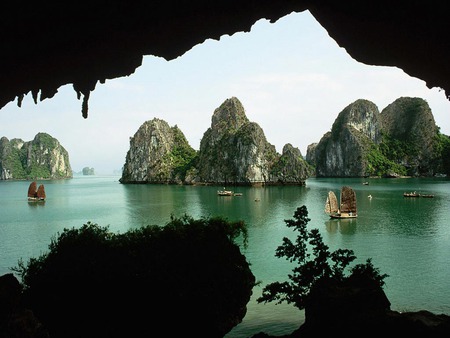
35 193
416 194
237 194
411 194
224 192
347 206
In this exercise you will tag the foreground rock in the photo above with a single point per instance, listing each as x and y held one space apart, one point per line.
360 309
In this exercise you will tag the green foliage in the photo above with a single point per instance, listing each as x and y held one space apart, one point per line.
139 281
35 171
24 167
182 155
379 164
44 140
14 164
397 150
442 150
313 268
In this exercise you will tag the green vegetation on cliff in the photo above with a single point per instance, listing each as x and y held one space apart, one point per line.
182 155
402 140
392 153
41 158
443 153
14 160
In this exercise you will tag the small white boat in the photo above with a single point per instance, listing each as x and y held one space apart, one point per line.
224 192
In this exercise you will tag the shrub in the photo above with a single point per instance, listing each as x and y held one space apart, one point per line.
185 278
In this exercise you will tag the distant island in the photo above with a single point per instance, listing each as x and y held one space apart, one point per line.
88 171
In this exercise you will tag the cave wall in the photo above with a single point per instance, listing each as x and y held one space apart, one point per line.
46 45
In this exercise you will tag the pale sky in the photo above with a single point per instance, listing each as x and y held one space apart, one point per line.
291 77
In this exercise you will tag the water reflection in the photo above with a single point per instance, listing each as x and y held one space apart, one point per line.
344 226
35 204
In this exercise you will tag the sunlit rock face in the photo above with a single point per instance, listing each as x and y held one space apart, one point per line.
42 158
404 133
235 151
410 120
291 168
342 152
156 150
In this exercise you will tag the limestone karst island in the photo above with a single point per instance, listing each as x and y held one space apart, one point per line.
402 140
233 151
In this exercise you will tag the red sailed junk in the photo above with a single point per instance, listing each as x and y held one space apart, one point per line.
36 194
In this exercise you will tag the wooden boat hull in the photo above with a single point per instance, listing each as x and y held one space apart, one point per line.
35 199
342 216
225 193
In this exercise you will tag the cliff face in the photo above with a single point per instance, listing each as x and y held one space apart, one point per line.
42 158
291 168
343 151
410 122
233 151
401 140
158 153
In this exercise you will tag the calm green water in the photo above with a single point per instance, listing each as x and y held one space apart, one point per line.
407 238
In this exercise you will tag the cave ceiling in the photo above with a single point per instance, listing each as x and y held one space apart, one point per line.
49 44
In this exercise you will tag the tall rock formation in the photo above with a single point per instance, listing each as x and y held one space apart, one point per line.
343 151
42 158
291 168
158 154
234 151
401 140
408 124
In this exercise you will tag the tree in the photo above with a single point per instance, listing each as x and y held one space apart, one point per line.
314 270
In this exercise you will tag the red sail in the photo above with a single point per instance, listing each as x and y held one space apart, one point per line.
32 189
348 200
41 192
